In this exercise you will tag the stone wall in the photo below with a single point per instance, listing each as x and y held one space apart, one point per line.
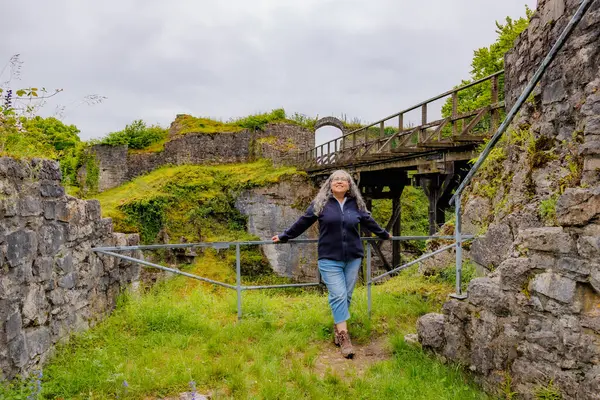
273 209
275 142
536 316
51 283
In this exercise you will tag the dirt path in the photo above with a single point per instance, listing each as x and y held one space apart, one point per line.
331 361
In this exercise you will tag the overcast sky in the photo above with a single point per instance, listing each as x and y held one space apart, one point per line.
153 59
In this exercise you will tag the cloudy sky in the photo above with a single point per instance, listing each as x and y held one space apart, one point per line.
153 59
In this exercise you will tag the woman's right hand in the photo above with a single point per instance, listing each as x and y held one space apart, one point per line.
275 239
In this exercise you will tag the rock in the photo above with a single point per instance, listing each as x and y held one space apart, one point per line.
578 206
486 293
595 279
52 237
38 341
30 206
575 268
17 351
490 250
430 330
549 239
21 247
13 326
42 268
411 338
51 189
589 247
590 387
475 215
515 272
554 286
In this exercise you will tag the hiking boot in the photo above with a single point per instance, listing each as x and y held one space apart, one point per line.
345 344
336 336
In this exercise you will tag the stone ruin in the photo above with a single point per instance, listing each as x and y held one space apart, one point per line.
533 323
51 283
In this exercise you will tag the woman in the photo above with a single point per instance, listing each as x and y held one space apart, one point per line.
339 208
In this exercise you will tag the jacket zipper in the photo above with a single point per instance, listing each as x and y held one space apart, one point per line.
343 233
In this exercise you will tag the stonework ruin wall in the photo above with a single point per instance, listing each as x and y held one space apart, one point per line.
536 316
51 283
276 142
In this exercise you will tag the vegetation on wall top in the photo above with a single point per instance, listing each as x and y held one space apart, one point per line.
193 202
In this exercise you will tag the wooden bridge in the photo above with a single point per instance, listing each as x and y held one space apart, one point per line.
385 156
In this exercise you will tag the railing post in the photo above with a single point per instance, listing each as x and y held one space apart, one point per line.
369 279
381 129
423 122
458 240
454 112
238 277
494 112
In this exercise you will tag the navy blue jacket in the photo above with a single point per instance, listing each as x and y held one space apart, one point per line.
339 235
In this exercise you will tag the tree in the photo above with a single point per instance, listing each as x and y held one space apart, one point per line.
486 61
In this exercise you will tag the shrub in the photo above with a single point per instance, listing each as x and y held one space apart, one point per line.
136 135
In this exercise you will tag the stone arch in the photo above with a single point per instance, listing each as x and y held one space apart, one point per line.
329 121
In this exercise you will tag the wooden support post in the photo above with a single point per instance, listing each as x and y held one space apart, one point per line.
377 247
437 188
381 129
396 231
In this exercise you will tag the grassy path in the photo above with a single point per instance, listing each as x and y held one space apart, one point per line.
181 331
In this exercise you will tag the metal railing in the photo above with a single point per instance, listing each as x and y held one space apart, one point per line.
239 287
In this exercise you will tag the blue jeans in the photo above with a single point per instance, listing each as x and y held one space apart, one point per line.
340 278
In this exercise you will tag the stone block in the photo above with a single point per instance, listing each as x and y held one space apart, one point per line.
38 341
30 206
590 386
573 268
61 210
92 210
13 326
21 247
51 189
42 268
493 248
486 293
49 209
589 247
430 328
578 206
548 239
17 351
554 286
514 273
51 239
595 279
8 207
553 92
34 306
46 169
68 281
592 126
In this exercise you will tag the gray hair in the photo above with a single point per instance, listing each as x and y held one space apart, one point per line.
325 193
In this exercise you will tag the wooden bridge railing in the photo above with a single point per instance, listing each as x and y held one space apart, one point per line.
370 143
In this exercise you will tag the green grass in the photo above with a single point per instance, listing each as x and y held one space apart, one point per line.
182 330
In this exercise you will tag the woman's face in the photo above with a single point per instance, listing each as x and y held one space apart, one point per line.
339 184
